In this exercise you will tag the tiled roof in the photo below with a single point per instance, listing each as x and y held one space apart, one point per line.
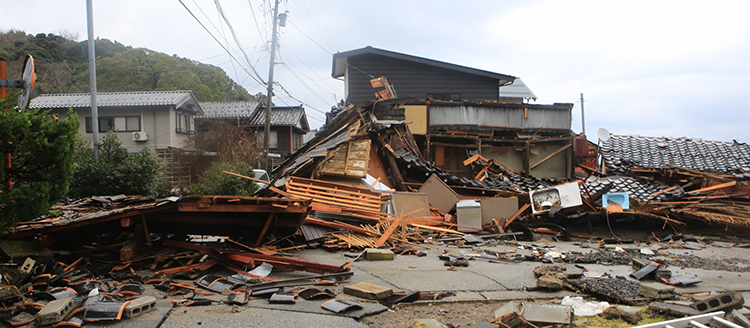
251 110
516 183
114 99
623 152
640 188
234 109
279 116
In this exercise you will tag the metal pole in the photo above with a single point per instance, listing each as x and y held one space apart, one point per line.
583 121
269 95
92 78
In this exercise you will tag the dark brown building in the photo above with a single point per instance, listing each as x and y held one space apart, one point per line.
414 76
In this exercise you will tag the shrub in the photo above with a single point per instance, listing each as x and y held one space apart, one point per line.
214 182
116 171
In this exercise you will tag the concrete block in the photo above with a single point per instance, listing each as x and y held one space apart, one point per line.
725 301
377 254
656 291
55 311
547 314
140 305
368 291
673 310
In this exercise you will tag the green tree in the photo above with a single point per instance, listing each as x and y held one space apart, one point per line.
215 182
116 171
42 150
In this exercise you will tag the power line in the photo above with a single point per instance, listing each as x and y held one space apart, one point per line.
231 30
260 81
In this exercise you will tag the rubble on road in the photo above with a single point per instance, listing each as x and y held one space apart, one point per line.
363 185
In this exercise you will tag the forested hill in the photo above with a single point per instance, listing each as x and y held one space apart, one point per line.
62 67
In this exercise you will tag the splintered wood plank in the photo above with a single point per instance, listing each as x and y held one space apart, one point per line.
438 229
387 234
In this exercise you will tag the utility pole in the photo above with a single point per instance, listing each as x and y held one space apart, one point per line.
92 79
583 121
269 95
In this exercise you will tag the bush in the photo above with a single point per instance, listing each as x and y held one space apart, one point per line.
116 172
214 182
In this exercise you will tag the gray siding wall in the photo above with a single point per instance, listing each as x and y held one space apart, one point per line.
500 117
414 79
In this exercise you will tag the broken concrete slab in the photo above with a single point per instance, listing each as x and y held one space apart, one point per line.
513 313
547 314
368 291
657 291
626 313
660 308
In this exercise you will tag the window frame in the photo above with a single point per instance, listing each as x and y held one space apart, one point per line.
104 128
186 126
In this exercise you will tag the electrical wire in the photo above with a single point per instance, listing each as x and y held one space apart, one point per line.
234 35
260 81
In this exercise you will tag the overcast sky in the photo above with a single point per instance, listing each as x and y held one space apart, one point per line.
652 68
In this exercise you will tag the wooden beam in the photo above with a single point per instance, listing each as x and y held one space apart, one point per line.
526 155
145 230
718 186
395 223
512 218
439 229
245 177
560 150
337 225
265 228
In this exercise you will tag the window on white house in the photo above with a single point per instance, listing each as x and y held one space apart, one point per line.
183 123
273 143
116 123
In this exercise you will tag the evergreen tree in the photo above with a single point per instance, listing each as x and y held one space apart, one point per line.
41 148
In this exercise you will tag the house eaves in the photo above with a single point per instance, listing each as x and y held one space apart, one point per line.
182 100
340 63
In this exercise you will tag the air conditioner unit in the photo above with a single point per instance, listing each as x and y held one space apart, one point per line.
140 136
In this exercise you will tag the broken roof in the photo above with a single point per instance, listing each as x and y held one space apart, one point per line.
181 99
622 152
340 62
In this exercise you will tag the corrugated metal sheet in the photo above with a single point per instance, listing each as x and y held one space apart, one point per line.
313 232
234 109
499 117
113 99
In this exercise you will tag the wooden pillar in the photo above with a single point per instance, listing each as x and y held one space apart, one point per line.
526 157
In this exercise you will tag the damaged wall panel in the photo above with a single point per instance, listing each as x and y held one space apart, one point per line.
349 159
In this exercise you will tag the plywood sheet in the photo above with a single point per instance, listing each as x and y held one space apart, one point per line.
417 115
439 194
408 202
498 208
